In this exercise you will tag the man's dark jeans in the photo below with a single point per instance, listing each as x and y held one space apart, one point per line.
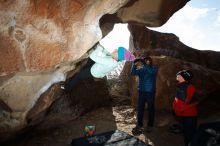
146 97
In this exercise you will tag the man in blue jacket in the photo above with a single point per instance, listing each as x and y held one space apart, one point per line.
147 74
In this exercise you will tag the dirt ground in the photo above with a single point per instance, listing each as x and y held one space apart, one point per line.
119 116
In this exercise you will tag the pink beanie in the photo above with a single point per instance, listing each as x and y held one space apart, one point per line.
129 56
124 54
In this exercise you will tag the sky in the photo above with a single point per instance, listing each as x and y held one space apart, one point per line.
197 25
118 37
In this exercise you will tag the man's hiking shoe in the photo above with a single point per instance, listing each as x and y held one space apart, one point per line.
137 130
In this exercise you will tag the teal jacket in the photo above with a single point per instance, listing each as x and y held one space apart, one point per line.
104 63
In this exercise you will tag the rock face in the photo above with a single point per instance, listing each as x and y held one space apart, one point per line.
171 56
41 40
149 13
156 43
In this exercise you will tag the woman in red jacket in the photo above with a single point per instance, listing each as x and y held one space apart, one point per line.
185 104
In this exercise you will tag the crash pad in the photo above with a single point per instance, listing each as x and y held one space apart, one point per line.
111 138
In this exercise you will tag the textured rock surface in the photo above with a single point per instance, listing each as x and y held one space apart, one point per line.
42 34
156 44
150 13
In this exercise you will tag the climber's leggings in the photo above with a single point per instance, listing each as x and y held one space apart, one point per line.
85 73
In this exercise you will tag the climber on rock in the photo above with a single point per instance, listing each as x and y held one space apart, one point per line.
100 63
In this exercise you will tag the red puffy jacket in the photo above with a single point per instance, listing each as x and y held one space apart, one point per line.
185 102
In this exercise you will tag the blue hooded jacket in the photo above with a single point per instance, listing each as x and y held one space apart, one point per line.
147 77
